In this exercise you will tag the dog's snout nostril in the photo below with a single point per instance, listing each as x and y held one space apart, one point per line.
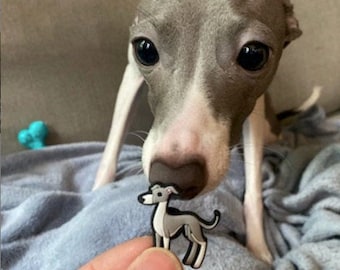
190 177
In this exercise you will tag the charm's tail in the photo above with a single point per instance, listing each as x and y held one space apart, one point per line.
213 223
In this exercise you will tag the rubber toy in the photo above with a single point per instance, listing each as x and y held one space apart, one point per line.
34 136
169 223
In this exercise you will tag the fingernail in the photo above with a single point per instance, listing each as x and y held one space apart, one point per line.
156 259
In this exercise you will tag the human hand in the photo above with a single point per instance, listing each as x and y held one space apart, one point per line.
136 254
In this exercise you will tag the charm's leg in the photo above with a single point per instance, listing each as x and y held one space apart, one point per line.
166 242
158 240
191 254
201 254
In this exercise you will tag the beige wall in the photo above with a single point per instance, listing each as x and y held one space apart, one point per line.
313 59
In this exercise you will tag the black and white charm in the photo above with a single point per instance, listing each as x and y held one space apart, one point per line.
168 223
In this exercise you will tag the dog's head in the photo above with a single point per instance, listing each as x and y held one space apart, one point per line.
206 63
157 194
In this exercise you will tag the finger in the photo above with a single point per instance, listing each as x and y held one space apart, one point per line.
121 256
155 259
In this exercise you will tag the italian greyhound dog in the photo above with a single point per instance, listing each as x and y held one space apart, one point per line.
207 65
169 222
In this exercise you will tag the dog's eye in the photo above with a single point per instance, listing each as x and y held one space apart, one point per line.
159 194
253 56
146 52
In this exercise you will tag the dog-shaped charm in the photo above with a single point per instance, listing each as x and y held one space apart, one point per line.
169 223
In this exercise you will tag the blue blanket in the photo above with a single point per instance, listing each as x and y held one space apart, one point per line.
52 220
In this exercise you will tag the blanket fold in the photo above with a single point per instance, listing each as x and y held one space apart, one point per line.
50 218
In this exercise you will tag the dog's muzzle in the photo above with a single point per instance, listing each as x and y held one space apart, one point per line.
190 178
145 198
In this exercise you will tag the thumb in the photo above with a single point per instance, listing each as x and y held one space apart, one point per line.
155 259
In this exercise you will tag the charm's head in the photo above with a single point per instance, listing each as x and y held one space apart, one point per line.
157 194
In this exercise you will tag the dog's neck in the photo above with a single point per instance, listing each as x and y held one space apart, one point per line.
158 218
161 209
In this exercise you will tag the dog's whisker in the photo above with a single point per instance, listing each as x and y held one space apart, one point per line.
133 168
137 136
144 11
232 170
142 132
139 171
153 20
276 159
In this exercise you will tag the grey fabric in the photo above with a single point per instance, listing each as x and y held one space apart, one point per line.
52 220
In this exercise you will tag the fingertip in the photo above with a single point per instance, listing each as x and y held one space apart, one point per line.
155 259
121 256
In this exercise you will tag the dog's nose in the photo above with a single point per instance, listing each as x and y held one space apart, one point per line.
190 177
141 199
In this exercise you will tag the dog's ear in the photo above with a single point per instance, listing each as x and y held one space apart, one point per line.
128 91
171 190
155 187
293 30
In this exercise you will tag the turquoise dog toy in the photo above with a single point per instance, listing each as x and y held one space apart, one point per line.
33 137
